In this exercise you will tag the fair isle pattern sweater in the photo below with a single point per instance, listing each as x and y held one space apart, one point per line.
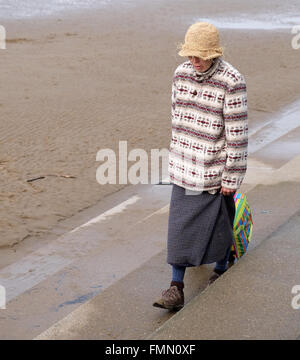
209 144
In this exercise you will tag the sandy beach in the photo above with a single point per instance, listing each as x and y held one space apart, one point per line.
73 84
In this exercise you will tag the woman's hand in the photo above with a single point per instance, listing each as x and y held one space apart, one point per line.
226 191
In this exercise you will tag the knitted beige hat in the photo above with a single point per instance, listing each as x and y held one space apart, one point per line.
201 40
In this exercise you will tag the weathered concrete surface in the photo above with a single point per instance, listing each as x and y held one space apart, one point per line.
124 310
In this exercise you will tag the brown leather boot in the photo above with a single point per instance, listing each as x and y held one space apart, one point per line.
172 298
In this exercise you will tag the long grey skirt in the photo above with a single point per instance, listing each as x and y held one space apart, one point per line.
200 227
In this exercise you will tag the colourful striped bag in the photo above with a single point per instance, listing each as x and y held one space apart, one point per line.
242 226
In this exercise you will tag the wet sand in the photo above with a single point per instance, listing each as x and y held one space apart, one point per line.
72 85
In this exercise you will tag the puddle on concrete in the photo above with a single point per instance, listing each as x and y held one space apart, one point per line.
80 299
279 138
280 152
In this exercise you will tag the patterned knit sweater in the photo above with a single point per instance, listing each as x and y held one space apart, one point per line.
209 144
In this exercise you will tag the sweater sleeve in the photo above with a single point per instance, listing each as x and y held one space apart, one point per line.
235 113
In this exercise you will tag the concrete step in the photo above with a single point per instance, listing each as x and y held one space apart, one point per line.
252 300
124 310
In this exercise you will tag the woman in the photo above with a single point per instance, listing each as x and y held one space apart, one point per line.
207 158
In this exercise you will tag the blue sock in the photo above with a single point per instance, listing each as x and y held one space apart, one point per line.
178 273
